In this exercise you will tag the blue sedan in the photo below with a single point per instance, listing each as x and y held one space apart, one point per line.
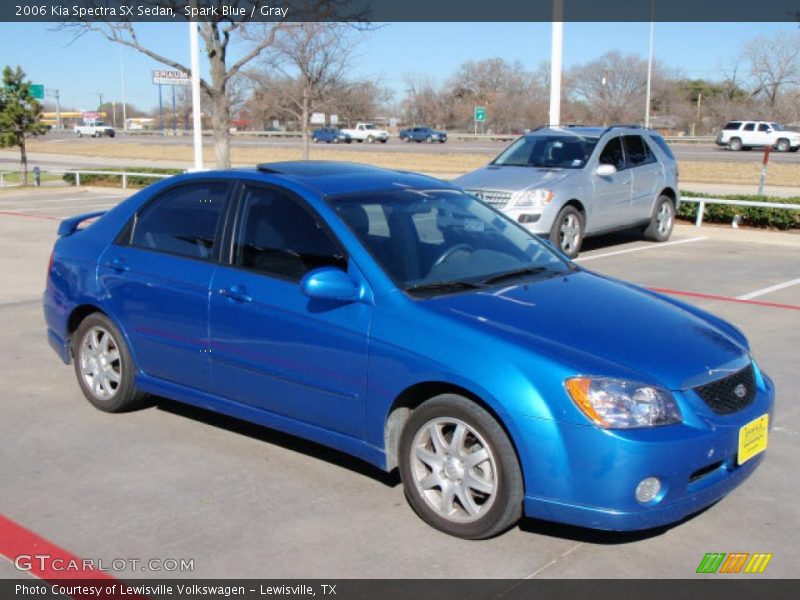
422 134
397 318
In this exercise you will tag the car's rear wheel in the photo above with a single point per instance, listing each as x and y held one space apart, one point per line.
567 231
662 221
103 365
783 145
735 144
460 472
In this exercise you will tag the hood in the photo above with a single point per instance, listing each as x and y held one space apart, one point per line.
512 179
585 321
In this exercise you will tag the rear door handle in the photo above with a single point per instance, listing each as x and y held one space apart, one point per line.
237 293
118 264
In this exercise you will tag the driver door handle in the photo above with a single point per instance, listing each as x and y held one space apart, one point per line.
237 293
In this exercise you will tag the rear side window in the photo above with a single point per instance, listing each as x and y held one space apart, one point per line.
661 143
279 237
733 126
612 154
182 221
637 152
749 127
763 127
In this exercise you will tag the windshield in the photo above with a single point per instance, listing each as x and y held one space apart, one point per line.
550 151
437 241
370 126
778 127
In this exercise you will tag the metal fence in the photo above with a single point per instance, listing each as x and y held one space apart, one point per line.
703 201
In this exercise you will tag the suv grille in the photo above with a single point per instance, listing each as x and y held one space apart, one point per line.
493 198
721 396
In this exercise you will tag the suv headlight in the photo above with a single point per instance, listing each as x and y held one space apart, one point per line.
620 404
531 198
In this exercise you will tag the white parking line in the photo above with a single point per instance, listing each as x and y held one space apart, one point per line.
640 248
68 200
71 209
767 290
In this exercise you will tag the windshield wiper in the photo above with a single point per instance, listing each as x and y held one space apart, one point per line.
443 285
514 274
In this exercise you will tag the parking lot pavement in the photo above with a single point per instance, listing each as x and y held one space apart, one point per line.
171 482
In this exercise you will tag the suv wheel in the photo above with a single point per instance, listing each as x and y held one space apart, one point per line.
662 221
735 144
103 365
567 231
460 472
783 145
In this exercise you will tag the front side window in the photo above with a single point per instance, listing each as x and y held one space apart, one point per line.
548 151
637 151
182 221
431 241
763 127
278 236
612 154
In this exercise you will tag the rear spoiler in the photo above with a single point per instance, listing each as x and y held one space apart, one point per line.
68 226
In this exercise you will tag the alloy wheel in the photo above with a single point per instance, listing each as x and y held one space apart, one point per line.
664 217
100 364
570 233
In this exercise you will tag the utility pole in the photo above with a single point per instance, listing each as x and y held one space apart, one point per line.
194 49
649 66
556 50
57 96
122 77
100 96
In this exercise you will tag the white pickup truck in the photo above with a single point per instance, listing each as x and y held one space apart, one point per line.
367 132
95 129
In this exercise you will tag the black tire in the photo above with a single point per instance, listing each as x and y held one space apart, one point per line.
505 503
429 139
384 140
795 149
783 145
735 144
661 221
568 217
125 396
370 139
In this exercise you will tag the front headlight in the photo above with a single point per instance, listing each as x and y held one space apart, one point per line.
531 198
620 404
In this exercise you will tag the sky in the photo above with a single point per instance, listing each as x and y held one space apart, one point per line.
83 68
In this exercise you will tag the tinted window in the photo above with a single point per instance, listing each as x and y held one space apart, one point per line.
749 127
637 151
663 145
612 154
763 127
278 236
182 220
733 125
561 152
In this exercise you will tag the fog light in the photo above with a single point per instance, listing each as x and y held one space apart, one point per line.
648 489
528 218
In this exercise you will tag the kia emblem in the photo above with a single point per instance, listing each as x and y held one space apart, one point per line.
740 391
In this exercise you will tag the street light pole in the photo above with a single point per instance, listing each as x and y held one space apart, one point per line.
649 66
197 124
122 77
556 49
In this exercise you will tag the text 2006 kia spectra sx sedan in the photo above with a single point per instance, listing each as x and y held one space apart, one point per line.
399 319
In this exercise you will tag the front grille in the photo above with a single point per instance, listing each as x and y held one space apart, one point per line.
721 395
493 198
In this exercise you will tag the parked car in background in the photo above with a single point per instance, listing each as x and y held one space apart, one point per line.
398 319
331 135
367 132
569 183
95 129
745 135
423 134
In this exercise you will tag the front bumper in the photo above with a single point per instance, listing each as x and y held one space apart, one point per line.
587 476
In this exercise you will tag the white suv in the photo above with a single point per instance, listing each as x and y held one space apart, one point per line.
744 135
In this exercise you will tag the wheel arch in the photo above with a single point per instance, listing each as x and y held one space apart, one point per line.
81 311
415 395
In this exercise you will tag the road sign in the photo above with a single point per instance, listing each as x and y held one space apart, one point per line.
318 118
37 91
334 119
480 113
165 77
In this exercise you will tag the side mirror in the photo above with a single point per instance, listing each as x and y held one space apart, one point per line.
329 283
606 170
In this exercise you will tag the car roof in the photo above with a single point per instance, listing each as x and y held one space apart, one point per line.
335 177
589 131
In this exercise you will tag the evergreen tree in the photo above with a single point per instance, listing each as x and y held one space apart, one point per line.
19 115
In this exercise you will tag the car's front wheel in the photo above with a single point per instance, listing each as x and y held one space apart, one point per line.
783 145
460 472
103 365
662 221
567 231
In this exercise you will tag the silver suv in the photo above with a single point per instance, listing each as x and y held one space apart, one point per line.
568 183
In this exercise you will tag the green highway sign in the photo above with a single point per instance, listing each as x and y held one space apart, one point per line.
37 91
480 113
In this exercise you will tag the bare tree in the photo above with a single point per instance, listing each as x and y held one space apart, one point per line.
313 59
218 35
774 64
